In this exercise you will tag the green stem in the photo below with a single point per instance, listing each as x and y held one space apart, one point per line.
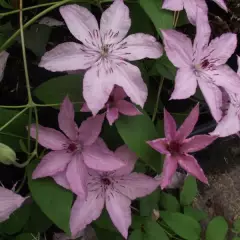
14 107
23 165
12 135
22 182
29 125
12 119
5 45
158 98
27 8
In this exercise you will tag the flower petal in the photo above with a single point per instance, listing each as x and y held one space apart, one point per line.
230 123
238 60
118 93
178 48
97 87
213 97
82 24
3 61
52 163
191 10
190 164
112 115
90 129
222 4
49 137
203 33
118 207
170 127
218 54
188 125
185 84
115 22
225 77
135 185
77 176
127 108
61 179
67 56
159 145
99 157
128 158
169 168
129 78
197 143
9 202
139 46
85 211
66 119
174 5
85 108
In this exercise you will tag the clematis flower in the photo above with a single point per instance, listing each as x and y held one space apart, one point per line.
190 6
230 123
202 64
71 152
176 147
115 105
9 202
103 53
116 189
3 61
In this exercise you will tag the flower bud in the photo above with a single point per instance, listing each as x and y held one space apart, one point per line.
7 155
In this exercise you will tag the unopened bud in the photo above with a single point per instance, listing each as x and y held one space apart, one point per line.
7 155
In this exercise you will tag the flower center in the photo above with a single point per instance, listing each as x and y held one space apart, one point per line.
104 51
106 181
72 147
205 64
174 147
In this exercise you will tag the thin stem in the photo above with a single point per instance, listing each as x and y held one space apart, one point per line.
27 8
31 21
12 135
12 119
14 107
175 19
29 126
23 165
158 98
36 120
22 182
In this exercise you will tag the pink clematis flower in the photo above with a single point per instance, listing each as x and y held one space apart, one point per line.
103 53
3 61
115 105
176 147
190 6
115 189
70 154
230 123
202 64
9 202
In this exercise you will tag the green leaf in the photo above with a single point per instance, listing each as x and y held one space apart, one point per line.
169 202
136 235
197 214
138 221
236 225
105 222
184 226
54 201
189 191
36 38
5 4
15 131
165 68
38 222
103 234
135 131
16 221
236 238
153 231
217 229
56 89
26 236
162 19
148 203
6 31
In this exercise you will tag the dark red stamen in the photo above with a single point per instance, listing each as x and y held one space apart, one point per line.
72 147
106 181
174 147
205 64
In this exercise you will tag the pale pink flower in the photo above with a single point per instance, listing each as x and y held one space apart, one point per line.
202 64
103 53
190 6
176 147
9 202
3 61
115 105
116 189
230 123
71 152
